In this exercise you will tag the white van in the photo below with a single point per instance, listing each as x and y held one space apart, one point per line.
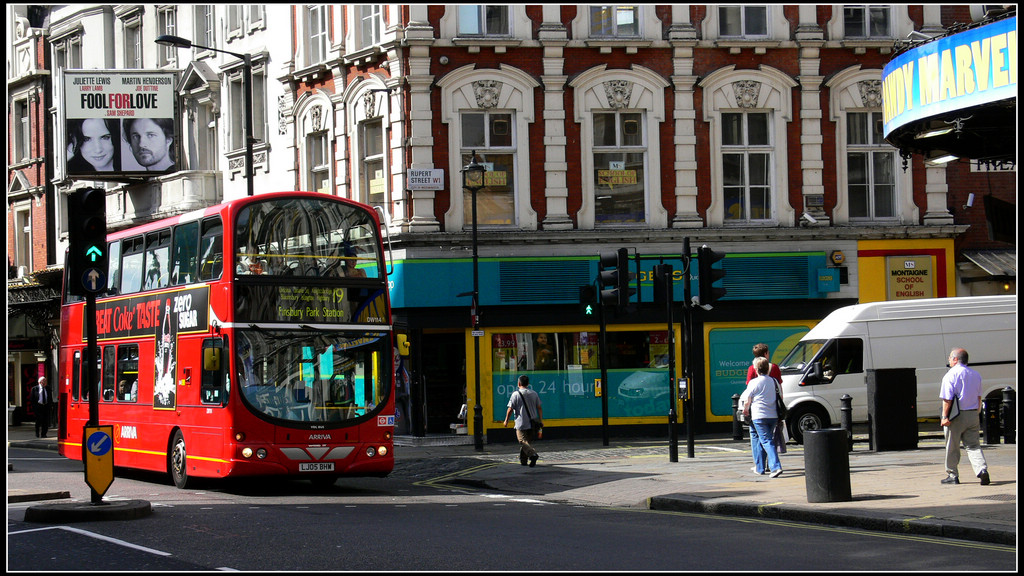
834 357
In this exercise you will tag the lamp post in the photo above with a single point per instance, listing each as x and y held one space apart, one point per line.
178 42
473 180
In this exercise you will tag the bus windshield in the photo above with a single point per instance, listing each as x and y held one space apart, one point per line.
801 355
306 237
312 376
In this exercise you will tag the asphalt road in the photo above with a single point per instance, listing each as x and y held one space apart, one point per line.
407 523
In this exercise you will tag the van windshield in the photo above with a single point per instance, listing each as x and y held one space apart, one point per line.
801 355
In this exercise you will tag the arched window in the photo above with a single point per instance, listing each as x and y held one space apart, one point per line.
369 119
620 112
315 138
488 111
871 185
748 111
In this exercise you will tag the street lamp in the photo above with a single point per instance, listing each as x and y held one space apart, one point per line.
179 42
473 180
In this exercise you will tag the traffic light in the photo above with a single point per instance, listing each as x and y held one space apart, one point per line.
87 241
707 276
615 277
588 299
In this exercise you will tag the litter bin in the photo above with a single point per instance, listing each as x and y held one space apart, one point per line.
827 465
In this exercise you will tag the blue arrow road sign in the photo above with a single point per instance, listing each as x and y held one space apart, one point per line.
99 443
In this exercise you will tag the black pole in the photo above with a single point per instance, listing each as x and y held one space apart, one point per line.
478 409
673 433
247 80
688 341
92 378
604 368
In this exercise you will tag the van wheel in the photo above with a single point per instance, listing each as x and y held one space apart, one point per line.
806 417
176 461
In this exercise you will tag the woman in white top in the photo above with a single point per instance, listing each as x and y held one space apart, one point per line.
760 406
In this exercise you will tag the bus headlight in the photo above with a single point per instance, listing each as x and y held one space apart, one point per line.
261 453
370 451
247 452
383 450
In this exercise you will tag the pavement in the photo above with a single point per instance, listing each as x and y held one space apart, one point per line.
896 491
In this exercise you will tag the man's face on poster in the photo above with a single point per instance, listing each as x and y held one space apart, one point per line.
150 145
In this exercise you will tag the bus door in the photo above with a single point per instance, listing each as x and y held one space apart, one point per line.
213 373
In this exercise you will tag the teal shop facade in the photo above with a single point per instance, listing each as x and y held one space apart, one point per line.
533 323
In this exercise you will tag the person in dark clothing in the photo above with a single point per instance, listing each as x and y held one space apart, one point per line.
41 407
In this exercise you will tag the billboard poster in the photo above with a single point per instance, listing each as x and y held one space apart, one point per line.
120 122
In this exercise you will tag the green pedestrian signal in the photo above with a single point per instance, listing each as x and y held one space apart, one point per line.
588 297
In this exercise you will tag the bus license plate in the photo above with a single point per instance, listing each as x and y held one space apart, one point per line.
316 467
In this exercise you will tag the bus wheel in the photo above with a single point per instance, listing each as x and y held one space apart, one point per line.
176 461
806 417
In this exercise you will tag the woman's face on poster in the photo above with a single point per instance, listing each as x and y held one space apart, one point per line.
97 144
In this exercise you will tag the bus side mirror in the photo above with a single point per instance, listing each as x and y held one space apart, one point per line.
211 359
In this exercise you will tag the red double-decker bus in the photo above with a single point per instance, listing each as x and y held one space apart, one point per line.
250 338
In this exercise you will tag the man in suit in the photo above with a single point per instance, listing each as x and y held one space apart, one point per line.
41 407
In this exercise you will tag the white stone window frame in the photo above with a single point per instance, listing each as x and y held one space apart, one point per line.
167 23
314 113
900 25
778 26
647 95
21 221
481 19
649 33
356 52
318 168
204 26
199 90
520 28
309 34
361 18
22 126
67 49
257 17
638 11
866 8
516 95
234 22
846 95
132 38
357 110
775 97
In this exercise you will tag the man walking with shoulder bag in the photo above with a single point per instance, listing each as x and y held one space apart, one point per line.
525 403
961 387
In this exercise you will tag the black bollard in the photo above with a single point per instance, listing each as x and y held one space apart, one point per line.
1009 424
846 416
990 421
737 426
827 466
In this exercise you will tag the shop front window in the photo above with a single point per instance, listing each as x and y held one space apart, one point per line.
563 367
